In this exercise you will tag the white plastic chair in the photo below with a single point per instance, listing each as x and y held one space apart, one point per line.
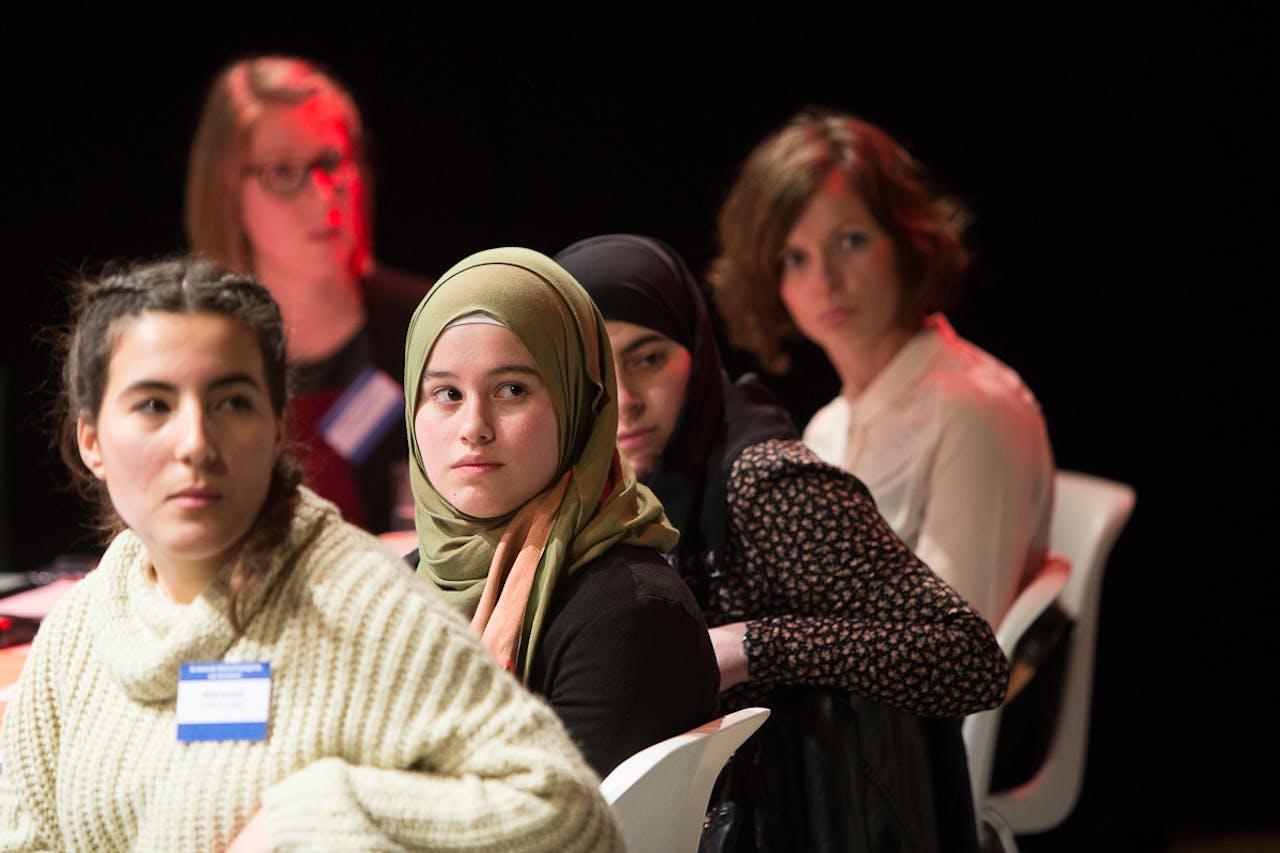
1088 515
660 794
980 730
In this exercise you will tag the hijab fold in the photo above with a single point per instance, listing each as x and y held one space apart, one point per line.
502 572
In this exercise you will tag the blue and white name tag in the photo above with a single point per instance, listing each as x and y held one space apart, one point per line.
223 701
358 420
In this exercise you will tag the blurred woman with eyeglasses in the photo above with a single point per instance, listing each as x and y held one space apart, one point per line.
278 187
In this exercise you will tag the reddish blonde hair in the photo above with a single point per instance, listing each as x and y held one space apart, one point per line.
239 95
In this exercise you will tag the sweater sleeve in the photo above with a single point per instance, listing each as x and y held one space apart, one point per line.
834 598
457 756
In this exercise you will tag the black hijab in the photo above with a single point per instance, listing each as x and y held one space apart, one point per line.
643 281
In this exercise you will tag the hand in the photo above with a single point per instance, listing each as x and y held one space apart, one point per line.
726 640
253 838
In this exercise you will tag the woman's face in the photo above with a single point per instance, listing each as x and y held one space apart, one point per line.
653 372
185 438
301 208
839 276
486 425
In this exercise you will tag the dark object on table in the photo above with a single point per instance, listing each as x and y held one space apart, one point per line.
16 630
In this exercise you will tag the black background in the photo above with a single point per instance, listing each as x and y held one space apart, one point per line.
1119 163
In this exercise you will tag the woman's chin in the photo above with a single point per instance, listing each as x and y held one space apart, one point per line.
642 464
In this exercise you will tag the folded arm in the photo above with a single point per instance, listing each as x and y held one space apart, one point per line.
462 758
833 597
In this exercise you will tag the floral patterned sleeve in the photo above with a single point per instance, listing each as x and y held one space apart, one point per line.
832 596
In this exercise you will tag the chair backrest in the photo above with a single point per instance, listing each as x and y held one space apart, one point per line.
1089 513
660 794
980 730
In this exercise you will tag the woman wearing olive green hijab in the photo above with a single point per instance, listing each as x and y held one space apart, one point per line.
528 519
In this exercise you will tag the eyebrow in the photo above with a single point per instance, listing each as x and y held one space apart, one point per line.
284 154
644 341
220 382
522 369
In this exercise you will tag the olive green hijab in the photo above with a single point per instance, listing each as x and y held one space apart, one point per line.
601 505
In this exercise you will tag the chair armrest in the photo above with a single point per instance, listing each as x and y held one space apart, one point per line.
1032 601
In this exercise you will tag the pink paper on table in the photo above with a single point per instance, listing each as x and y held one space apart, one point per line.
11 661
36 603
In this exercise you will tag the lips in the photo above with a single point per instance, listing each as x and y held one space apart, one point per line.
835 316
476 466
196 497
633 438
325 235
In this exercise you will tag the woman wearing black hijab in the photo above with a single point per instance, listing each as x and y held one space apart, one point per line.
815 605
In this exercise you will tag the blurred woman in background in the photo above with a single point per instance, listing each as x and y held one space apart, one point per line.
831 231
278 186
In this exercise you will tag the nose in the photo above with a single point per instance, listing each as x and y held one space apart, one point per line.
477 424
196 446
630 403
832 279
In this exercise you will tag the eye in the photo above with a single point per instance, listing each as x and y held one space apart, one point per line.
285 175
447 394
329 162
853 240
792 259
237 403
650 360
511 391
151 406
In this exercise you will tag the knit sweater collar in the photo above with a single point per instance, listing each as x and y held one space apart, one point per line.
143 637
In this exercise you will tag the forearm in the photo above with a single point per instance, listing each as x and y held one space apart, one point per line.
440 750
541 805
942 669
731 654
833 597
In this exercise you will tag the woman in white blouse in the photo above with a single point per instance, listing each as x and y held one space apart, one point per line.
831 231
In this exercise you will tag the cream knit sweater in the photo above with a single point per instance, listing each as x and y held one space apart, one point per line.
390 726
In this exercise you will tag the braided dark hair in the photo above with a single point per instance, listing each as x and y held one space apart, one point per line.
101 310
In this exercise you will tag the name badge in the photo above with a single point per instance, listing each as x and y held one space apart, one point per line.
223 701
358 420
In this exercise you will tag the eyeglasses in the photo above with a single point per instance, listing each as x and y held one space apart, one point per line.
286 178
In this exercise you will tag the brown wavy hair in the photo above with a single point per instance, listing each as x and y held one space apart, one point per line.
238 97
775 186
102 308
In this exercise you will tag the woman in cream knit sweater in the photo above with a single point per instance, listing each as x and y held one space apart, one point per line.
387 725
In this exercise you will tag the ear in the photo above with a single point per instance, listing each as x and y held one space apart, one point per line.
90 449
